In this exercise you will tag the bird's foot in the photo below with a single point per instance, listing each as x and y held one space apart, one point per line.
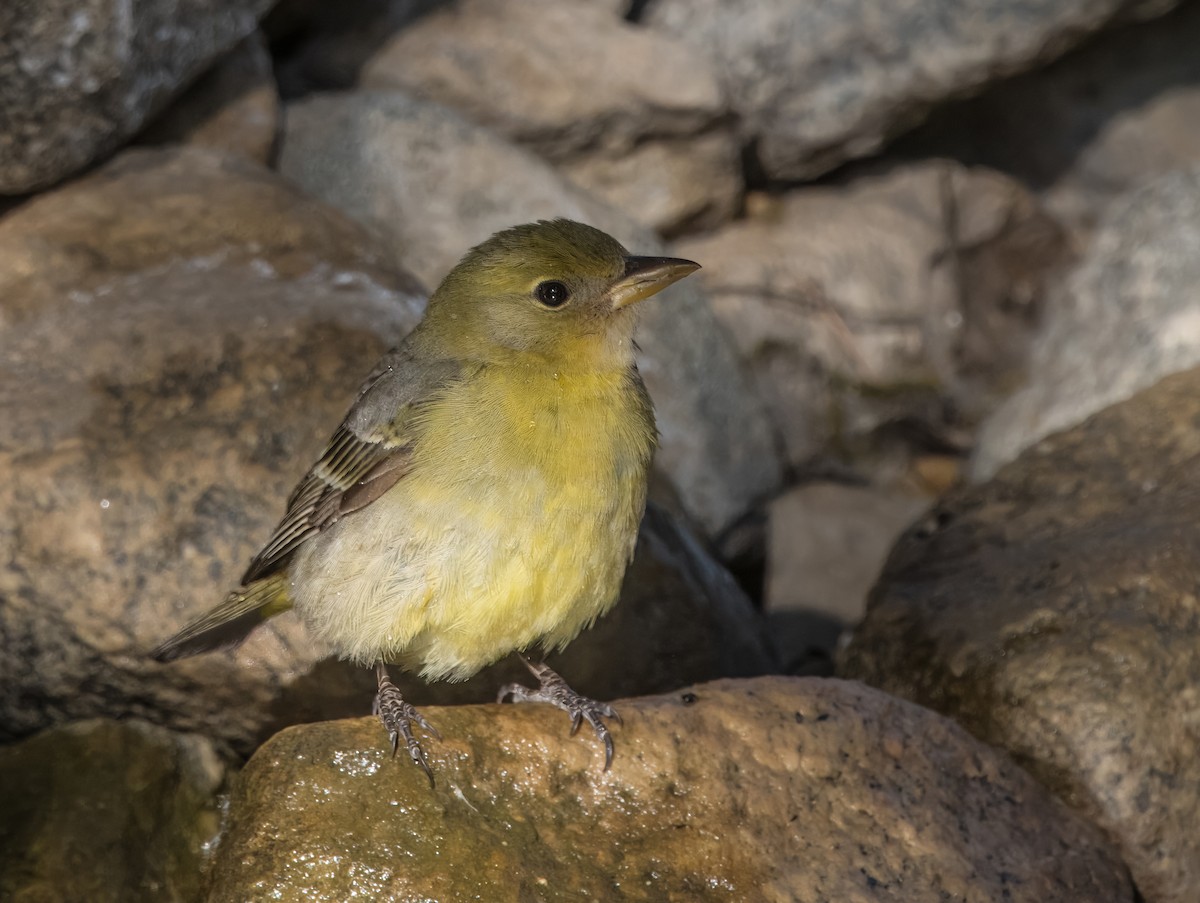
398 718
554 690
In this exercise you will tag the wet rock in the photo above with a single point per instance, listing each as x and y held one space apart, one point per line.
433 184
818 84
568 79
78 79
1111 115
107 811
778 790
233 107
1126 318
826 545
1053 612
903 296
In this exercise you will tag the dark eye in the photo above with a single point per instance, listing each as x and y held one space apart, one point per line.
552 293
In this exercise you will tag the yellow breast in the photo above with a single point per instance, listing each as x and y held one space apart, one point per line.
513 527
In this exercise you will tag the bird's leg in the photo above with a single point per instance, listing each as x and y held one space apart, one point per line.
398 717
554 690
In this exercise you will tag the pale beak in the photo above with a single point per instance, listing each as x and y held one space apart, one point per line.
646 276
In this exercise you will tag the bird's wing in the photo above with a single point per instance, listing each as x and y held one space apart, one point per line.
368 454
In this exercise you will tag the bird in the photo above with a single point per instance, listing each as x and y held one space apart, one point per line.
483 494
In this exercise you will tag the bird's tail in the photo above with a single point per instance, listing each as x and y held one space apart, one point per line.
231 621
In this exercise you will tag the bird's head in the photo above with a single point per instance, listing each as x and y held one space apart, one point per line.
557 289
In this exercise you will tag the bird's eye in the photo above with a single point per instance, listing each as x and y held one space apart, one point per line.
552 293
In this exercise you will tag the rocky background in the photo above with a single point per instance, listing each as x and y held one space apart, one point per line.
915 612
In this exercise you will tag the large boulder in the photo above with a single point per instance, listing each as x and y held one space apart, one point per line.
781 790
1052 611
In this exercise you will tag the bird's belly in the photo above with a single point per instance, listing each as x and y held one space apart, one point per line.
448 576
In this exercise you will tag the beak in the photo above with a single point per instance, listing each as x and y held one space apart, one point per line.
646 276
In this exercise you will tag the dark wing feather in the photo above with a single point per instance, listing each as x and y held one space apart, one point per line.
367 455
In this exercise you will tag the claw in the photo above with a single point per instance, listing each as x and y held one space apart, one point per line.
397 717
554 690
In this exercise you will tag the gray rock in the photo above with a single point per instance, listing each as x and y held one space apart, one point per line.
778 790
580 86
859 305
433 184
234 106
826 546
78 79
108 812
1052 612
1127 317
821 83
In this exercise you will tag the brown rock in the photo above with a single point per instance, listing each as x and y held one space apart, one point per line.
777 790
1053 612
108 812
860 305
232 107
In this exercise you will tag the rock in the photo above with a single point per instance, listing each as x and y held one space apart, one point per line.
880 301
78 79
575 83
107 811
1126 318
1116 112
434 184
1052 611
179 334
827 544
819 84
777 790
233 107
670 185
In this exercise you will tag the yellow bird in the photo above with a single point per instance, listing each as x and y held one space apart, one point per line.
483 494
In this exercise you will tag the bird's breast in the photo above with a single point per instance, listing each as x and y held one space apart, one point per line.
513 525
